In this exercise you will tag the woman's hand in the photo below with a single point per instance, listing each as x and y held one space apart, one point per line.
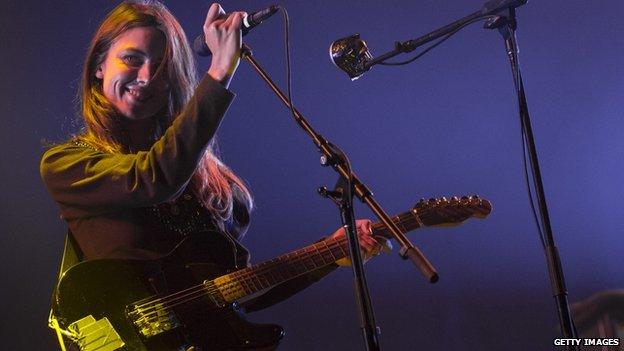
223 36
369 245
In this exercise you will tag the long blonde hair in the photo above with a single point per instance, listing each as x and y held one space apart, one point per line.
213 182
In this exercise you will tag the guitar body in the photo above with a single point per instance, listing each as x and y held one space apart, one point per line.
124 292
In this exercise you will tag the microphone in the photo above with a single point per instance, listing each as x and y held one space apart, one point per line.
351 55
249 22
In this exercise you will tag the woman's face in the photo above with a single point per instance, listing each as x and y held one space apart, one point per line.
128 73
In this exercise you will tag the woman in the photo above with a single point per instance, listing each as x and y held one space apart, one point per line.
143 174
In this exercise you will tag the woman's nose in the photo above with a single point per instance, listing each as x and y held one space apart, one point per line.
145 74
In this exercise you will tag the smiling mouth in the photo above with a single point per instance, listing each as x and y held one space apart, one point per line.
138 94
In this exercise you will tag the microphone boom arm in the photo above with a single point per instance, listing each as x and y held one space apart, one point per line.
408 250
412 44
490 8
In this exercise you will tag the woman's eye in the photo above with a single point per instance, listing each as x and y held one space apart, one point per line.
132 60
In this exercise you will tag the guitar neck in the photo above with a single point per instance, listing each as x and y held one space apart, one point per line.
254 279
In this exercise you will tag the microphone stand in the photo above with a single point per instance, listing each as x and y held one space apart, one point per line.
342 196
507 26
349 185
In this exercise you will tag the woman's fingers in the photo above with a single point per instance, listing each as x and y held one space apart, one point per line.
233 21
223 37
369 245
214 12
365 234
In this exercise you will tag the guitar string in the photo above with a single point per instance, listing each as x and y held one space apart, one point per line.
233 287
246 283
230 293
229 287
258 269
226 289
164 306
237 274
243 272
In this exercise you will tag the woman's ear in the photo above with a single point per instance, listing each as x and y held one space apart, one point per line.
99 73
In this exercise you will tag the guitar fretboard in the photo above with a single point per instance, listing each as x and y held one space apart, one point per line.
254 279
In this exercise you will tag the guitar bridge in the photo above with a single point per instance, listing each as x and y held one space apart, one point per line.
152 318
92 335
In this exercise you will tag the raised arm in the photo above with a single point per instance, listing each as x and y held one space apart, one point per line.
87 182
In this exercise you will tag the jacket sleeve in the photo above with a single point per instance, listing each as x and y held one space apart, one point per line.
87 182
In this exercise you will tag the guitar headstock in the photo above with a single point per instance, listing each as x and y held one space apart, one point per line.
452 211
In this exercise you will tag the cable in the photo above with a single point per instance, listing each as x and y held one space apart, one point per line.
288 68
519 86
525 151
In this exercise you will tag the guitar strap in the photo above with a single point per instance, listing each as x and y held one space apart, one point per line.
71 256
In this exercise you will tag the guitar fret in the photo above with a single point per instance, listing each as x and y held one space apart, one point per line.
324 249
302 264
401 221
412 222
273 278
329 257
343 250
292 269
251 288
298 269
338 250
307 264
285 272
331 252
315 264
318 258
250 285
335 251
256 279
265 282
245 286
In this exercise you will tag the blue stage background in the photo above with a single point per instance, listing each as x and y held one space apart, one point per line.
444 125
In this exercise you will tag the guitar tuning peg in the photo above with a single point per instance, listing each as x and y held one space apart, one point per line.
420 203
